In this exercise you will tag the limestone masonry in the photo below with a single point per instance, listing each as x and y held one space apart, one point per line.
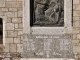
14 43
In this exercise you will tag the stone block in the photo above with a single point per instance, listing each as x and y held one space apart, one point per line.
76 41
16 14
19 48
20 9
9 40
16 25
20 32
78 36
1 13
75 30
76 24
13 4
13 47
76 13
12 9
76 18
76 49
76 1
77 7
74 36
9 20
12 34
20 25
16 40
16 20
9 26
9 14
20 13
2 3
6 48
4 9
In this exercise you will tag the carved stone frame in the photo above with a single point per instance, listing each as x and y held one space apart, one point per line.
48 30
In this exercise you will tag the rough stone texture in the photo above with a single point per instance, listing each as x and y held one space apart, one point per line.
2 3
13 48
76 29
19 48
13 10
11 26
14 4
9 12
12 33
48 46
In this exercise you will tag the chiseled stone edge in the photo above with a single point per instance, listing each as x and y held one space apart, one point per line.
41 30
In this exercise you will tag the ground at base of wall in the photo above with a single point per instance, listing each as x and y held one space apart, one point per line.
46 59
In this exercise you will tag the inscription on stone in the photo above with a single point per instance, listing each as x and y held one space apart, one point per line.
48 46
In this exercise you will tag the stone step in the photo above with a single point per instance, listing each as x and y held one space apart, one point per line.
46 59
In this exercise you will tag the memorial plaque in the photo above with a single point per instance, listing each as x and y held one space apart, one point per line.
47 13
48 46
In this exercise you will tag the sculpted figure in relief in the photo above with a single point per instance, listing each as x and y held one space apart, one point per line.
48 10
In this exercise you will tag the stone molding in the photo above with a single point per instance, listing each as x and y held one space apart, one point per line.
42 30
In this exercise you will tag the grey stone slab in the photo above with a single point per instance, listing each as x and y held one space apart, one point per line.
47 46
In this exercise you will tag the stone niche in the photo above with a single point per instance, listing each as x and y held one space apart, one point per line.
49 40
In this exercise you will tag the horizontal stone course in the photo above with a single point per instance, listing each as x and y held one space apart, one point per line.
14 4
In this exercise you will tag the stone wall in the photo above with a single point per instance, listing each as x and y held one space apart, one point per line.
76 28
13 11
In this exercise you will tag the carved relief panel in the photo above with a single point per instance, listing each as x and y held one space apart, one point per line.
47 13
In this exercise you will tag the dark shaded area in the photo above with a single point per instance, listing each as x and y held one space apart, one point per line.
31 12
1 30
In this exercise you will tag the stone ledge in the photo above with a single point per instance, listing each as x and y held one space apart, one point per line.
46 59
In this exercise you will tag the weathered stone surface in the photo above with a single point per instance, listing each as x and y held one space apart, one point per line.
20 32
20 13
76 2
9 14
6 48
12 9
19 48
16 20
78 36
16 40
9 40
2 3
4 9
11 26
47 46
76 13
6 58
16 25
14 4
21 26
12 34
13 48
